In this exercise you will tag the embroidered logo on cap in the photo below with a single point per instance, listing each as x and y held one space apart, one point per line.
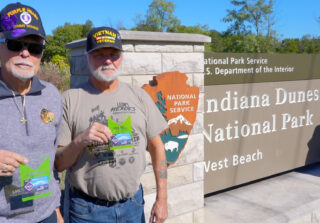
105 36
26 18
46 116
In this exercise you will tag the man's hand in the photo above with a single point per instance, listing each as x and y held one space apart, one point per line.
159 212
68 155
95 133
9 162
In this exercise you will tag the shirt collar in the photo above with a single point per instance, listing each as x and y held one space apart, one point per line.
36 88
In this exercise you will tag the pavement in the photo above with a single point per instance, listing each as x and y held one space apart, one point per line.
292 197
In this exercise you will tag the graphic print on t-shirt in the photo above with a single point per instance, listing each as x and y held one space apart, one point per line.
98 115
123 107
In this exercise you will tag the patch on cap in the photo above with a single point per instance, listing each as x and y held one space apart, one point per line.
19 20
8 22
105 36
26 18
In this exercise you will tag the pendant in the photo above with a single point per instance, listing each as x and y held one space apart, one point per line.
23 120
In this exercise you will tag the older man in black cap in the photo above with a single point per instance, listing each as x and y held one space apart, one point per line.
30 117
107 127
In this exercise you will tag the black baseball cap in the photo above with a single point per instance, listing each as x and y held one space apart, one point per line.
18 20
103 37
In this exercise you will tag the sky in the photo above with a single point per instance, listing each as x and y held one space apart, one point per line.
293 18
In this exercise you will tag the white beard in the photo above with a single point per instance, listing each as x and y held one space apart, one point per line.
99 75
22 77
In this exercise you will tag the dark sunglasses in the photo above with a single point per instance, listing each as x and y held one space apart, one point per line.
17 46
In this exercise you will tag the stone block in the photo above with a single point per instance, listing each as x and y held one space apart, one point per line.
140 80
198 171
184 199
188 198
183 62
147 36
149 201
198 125
201 103
199 216
190 79
149 167
303 219
193 151
198 80
184 218
127 47
75 80
79 66
315 218
198 48
177 176
163 47
141 63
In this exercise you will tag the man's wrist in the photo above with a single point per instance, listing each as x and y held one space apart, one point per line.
162 197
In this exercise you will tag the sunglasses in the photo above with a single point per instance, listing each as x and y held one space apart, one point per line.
17 46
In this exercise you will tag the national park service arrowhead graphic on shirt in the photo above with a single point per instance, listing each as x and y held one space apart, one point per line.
178 103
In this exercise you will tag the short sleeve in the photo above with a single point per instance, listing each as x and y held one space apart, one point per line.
155 121
65 135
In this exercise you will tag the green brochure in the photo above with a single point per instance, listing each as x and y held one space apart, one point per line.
121 134
35 182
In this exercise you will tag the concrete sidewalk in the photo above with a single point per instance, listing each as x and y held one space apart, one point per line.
292 197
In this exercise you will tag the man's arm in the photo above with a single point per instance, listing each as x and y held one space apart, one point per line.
59 216
159 211
68 155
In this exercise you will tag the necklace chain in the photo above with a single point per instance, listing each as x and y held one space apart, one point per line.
23 120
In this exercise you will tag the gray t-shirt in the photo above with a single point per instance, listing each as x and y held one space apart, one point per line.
94 173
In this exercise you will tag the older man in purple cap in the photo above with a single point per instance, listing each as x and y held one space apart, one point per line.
106 128
30 117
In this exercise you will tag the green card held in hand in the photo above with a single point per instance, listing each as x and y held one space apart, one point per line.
35 182
121 134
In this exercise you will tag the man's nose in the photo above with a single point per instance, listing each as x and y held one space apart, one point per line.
25 52
108 59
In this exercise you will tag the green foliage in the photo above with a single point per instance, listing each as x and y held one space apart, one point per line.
308 44
200 29
63 35
160 17
289 46
251 15
237 18
237 43
61 61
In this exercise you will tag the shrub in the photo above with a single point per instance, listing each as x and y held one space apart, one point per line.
59 76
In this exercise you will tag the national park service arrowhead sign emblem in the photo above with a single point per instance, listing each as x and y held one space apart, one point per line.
178 103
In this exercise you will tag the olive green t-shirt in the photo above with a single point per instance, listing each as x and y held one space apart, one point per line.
139 120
